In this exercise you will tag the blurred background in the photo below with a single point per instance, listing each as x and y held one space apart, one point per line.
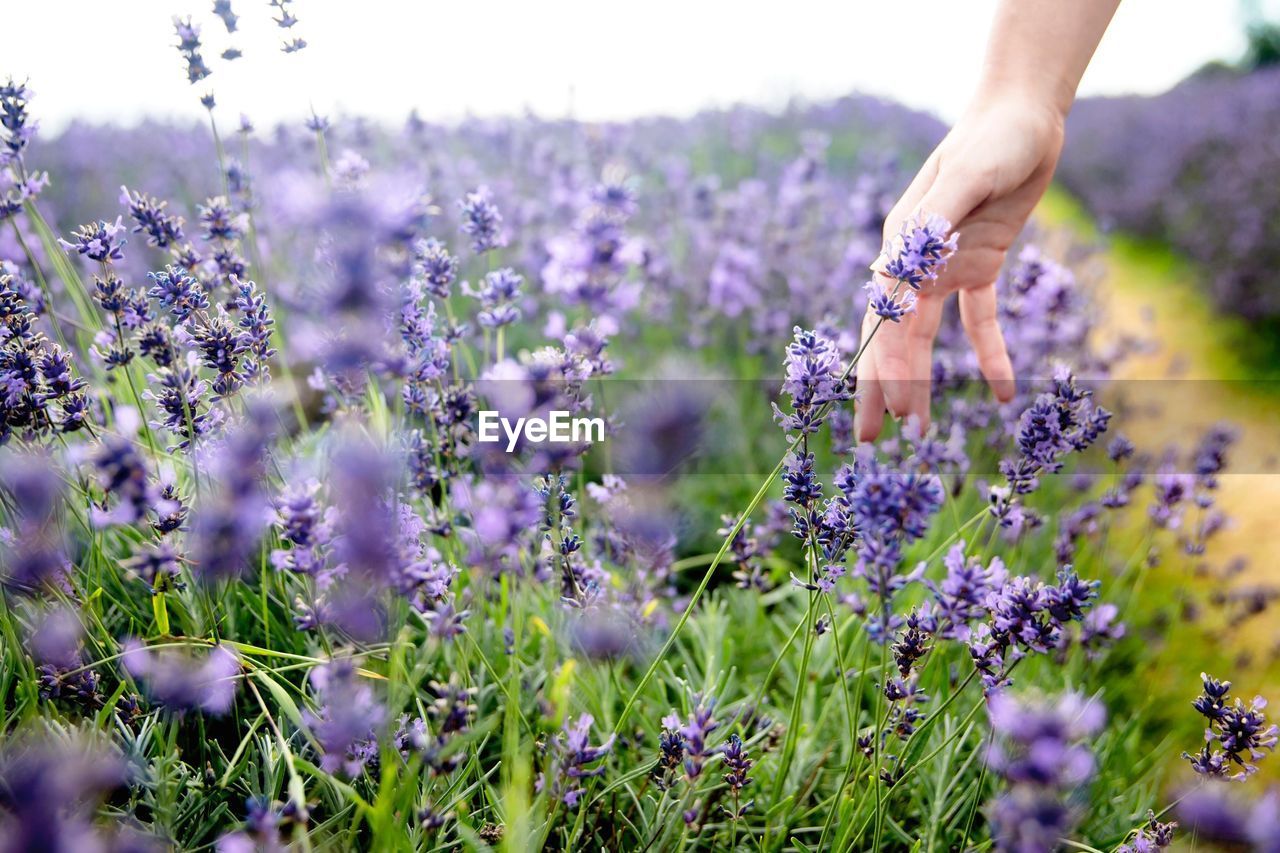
1175 138
449 60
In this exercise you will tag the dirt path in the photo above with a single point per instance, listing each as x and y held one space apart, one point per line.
1192 379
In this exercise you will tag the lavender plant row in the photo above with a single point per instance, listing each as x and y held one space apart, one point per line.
1197 166
265 587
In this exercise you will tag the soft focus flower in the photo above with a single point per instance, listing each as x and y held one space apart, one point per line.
481 221
189 48
1038 749
347 718
183 681
48 792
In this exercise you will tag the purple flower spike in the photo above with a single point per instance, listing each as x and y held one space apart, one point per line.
922 251
571 752
183 682
1238 735
1039 750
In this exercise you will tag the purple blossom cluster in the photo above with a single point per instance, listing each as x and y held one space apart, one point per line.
49 792
916 258
40 391
1153 836
180 681
33 547
1219 813
1040 753
1237 736
347 718
690 737
571 753
18 185
58 650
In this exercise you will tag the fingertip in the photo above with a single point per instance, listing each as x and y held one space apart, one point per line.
868 414
922 419
868 426
895 387
998 371
1004 388
920 398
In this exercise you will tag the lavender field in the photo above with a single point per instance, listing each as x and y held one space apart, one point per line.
1209 188
267 586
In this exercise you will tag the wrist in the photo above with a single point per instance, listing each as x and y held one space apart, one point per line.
1047 97
1042 91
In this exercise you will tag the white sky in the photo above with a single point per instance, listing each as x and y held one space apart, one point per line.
116 61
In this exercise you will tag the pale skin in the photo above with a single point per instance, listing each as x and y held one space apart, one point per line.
985 177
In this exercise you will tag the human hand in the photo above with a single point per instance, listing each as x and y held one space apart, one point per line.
985 178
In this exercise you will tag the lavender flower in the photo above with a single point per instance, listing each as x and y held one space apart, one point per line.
189 47
122 474
694 733
498 295
34 374
287 19
922 251
228 524
737 764
49 791
960 599
670 757
33 551
181 681
179 394
814 381
887 305
177 291
300 519
502 513
452 707
1237 736
1100 628
1038 750
18 129
1057 423
162 228
1218 812
18 185
157 566
98 241
481 221
262 830
220 221
346 720
222 8
570 754
220 345
56 647
1151 837
438 268
255 325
